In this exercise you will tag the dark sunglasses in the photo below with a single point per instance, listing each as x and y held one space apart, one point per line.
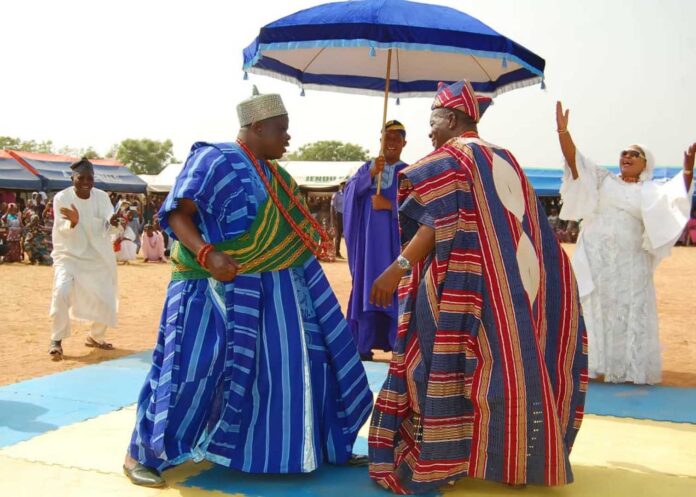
632 153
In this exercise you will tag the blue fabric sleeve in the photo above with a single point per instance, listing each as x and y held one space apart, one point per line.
195 182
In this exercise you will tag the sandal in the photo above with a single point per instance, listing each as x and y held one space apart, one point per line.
91 342
56 350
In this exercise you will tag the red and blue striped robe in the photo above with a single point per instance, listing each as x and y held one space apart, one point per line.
488 377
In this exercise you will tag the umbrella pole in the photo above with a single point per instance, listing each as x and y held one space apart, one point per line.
384 115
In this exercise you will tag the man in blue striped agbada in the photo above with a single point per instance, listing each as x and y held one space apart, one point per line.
255 370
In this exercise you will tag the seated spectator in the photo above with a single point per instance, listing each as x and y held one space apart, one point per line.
37 242
554 220
573 229
4 248
48 216
13 222
152 244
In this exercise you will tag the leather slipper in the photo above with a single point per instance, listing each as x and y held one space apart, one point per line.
91 342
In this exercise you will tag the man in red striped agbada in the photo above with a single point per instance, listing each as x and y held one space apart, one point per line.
489 370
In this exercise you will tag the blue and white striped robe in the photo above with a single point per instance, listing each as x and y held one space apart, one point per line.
260 374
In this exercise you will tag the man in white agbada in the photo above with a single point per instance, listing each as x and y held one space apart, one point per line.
84 285
629 224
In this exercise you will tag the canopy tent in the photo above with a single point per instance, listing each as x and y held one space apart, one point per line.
14 176
310 175
326 176
54 172
321 175
164 181
547 182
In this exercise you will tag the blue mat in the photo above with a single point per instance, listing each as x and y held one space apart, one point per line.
30 408
335 481
642 402
33 407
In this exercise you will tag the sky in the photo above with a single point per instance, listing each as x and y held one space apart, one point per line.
92 73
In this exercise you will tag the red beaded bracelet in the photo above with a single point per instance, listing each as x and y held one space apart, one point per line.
203 252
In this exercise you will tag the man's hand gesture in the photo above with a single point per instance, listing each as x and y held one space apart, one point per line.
71 215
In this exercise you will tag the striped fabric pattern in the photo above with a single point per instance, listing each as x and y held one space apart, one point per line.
462 97
260 374
487 380
269 244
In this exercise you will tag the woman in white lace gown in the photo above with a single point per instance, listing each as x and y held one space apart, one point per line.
629 224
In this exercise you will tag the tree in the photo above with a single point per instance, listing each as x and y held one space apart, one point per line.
329 150
14 143
88 153
144 156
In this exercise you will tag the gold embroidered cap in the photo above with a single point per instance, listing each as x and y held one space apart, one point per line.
259 107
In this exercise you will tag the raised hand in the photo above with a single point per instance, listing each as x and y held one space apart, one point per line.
71 215
221 266
561 117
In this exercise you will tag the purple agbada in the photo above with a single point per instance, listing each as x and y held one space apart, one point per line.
372 240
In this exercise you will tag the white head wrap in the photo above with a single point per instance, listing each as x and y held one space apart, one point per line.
647 173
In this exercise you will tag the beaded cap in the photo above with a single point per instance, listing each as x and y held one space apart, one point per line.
259 107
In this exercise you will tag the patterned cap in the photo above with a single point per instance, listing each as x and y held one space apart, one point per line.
81 166
462 97
395 125
259 107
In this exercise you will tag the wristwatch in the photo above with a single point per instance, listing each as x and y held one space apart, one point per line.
403 263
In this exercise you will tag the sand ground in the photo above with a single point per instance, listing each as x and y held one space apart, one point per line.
25 295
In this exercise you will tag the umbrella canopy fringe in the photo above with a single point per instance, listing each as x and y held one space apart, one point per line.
372 45
380 92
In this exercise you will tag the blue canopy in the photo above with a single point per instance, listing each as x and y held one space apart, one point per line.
56 176
14 176
342 46
547 182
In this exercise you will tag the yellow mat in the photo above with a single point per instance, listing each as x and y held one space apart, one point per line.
615 457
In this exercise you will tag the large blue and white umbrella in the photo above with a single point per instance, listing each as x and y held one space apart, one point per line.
347 47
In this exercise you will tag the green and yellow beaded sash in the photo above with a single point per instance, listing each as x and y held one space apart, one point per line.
270 244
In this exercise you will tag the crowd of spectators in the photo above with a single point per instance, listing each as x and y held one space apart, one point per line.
25 229
27 222
26 225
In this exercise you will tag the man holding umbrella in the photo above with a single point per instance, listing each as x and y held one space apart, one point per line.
489 369
372 239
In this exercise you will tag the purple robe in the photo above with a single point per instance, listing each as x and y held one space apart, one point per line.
372 240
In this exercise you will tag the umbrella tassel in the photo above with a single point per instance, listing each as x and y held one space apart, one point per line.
302 93
373 52
246 75
398 101
505 64
543 84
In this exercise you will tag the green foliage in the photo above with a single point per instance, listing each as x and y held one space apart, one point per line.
145 156
88 152
329 150
14 143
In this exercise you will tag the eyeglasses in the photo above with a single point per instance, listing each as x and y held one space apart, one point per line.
632 153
